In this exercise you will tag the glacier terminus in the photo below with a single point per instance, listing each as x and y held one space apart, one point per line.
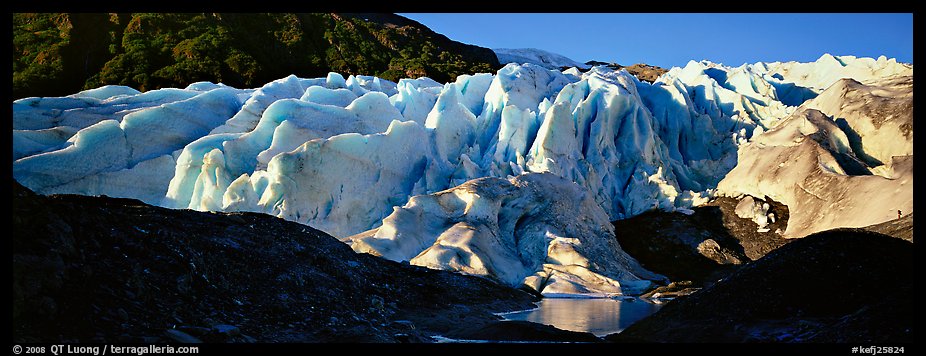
513 175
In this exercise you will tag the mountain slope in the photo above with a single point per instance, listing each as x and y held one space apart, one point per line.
703 245
58 54
99 269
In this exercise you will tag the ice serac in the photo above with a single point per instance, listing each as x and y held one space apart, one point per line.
343 185
473 89
283 127
370 113
146 181
89 107
258 101
453 123
536 230
163 129
508 122
189 173
109 156
415 97
107 92
31 142
99 148
828 69
734 97
601 134
321 95
821 166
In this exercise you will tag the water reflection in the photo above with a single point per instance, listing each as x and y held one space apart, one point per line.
599 316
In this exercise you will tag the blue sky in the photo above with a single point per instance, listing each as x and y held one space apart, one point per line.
670 40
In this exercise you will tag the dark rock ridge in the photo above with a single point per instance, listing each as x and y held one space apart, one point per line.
746 232
642 71
99 269
672 290
836 286
901 228
703 246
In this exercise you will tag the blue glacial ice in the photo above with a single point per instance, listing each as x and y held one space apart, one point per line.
443 175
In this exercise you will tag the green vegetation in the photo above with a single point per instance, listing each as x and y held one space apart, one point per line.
59 54
54 52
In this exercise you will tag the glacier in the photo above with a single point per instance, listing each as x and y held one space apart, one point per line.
536 56
512 175
537 230
843 159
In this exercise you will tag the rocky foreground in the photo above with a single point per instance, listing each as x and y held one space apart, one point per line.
100 269
95 269
837 286
901 228
701 247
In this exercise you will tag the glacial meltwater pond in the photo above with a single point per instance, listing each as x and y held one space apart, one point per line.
599 316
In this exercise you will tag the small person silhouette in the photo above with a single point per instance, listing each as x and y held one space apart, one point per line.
898 214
